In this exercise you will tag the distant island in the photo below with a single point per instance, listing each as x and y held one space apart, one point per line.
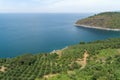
105 21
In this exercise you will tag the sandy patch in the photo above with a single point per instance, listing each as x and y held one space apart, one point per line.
49 76
2 68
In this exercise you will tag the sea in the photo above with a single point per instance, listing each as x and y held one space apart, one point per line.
22 33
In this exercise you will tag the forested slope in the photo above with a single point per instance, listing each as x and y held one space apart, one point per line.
103 20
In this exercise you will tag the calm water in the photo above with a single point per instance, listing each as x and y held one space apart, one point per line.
34 33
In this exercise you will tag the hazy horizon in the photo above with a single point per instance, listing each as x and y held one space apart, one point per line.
58 6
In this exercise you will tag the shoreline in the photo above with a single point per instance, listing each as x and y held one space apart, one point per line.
54 51
94 27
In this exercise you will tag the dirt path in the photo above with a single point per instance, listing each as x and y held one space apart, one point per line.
83 61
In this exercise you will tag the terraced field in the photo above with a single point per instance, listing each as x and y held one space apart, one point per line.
101 64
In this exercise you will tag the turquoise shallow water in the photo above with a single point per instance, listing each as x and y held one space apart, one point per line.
34 33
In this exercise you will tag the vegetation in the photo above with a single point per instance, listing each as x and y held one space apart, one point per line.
104 20
103 63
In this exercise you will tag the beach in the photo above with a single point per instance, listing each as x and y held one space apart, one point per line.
95 27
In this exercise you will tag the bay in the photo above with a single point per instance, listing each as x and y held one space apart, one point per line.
35 33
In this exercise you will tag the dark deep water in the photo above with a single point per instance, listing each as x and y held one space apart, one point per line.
35 33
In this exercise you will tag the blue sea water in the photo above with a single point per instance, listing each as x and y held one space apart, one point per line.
35 33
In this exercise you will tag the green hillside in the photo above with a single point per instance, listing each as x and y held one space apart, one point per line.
104 20
98 60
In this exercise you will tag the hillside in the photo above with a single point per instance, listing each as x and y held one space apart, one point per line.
103 20
98 60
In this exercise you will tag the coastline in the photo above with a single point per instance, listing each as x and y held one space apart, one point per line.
94 27
55 51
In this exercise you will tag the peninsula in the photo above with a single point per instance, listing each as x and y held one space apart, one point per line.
105 21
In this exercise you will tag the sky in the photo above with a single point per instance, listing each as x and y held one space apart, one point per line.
58 6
